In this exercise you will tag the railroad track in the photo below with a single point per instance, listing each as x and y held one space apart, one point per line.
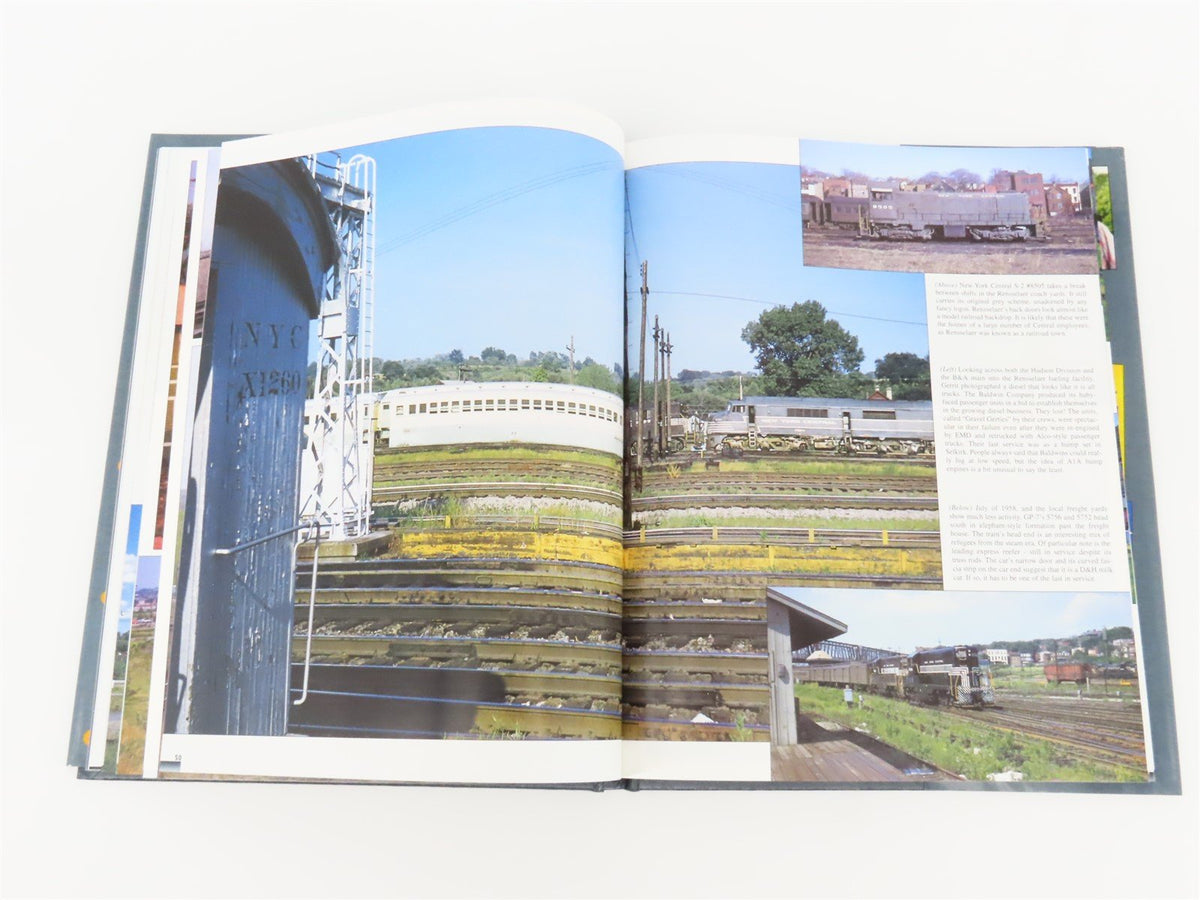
402 680
695 694
558 490
643 630
487 620
788 537
1070 709
638 725
463 572
343 714
787 500
424 701
651 585
707 482
1093 741
692 458
684 665
543 524
749 610
453 646
480 470
467 598
471 652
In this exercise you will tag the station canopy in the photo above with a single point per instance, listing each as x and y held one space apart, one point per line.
808 626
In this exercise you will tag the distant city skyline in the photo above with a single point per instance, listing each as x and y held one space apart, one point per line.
882 161
905 620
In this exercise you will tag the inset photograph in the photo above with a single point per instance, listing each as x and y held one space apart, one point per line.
903 686
948 210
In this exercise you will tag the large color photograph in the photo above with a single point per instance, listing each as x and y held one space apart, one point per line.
403 513
786 437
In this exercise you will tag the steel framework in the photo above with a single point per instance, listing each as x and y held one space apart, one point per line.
842 651
338 433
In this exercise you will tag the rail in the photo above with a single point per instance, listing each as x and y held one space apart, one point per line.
514 488
534 522
790 537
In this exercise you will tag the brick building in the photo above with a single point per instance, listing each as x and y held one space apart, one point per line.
1058 201
1028 183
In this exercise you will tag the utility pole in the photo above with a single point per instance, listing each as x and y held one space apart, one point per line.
667 374
655 443
571 350
641 413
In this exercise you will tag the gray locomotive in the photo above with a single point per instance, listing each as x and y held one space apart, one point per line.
838 424
928 215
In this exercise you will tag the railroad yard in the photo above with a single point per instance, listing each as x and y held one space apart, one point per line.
1070 248
1022 738
708 536
511 601
493 612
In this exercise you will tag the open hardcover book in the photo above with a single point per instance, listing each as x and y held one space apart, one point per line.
476 445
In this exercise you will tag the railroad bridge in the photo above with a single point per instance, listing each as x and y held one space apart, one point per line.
842 651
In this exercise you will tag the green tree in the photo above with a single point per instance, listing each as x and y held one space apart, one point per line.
800 352
1103 200
906 374
594 375
456 357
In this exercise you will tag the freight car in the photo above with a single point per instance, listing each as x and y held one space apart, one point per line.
842 425
954 676
930 215
1056 673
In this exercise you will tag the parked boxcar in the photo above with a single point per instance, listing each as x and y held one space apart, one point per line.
1068 671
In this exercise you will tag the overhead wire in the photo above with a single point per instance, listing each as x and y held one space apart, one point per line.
834 312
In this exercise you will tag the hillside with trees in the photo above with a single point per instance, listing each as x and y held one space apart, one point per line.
491 364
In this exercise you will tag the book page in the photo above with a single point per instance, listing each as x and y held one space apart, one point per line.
875 529
381 540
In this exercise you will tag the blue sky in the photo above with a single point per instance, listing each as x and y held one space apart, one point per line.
734 229
884 161
509 237
904 620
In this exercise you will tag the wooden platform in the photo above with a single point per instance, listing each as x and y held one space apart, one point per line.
831 753
830 761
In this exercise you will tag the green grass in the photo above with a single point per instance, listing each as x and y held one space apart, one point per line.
671 488
610 483
970 749
431 516
506 454
827 467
